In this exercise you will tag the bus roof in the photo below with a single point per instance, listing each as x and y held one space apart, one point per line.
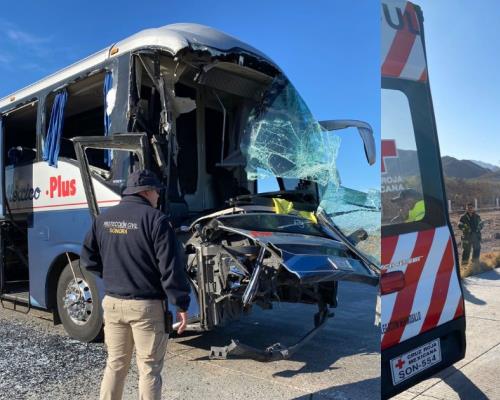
172 38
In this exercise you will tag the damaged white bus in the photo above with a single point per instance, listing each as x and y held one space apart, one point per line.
216 119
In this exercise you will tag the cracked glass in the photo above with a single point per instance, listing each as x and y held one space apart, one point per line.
351 210
282 139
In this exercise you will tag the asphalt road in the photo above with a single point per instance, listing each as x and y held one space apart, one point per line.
38 361
477 376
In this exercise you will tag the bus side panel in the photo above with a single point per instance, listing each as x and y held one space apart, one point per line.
53 233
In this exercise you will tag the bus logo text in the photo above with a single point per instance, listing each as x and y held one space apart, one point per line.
16 193
61 188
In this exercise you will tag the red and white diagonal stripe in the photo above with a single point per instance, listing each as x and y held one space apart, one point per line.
431 287
402 49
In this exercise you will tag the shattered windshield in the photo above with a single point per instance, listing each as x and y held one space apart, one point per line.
351 210
283 139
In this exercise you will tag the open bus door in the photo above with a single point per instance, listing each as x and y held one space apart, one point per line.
131 142
14 268
422 319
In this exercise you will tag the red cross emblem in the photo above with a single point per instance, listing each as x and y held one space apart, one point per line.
400 363
389 150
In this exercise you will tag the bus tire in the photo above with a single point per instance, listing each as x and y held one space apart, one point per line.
79 304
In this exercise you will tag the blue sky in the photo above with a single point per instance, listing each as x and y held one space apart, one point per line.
329 49
464 72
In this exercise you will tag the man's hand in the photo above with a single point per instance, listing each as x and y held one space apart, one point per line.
182 318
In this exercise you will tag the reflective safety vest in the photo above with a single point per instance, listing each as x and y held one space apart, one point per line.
417 212
282 206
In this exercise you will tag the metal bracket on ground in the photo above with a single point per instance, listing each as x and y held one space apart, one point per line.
272 353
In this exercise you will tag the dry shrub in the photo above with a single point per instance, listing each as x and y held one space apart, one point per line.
487 262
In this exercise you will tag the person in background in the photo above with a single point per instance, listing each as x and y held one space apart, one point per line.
471 225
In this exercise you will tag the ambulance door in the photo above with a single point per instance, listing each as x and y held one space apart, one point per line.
422 306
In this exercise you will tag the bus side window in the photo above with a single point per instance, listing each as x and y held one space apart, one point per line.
83 116
19 128
402 194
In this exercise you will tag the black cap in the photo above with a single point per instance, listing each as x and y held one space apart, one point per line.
407 194
140 181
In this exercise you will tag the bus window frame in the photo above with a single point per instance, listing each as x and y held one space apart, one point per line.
36 101
429 157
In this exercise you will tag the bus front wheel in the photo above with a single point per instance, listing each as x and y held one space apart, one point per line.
78 304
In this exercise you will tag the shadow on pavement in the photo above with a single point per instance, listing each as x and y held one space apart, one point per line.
286 326
348 345
463 386
325 352
261 329
491 275
366 388
468 296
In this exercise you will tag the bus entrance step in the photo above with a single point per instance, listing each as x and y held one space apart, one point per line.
19 297
16 298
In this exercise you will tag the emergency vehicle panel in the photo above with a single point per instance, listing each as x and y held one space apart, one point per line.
422 317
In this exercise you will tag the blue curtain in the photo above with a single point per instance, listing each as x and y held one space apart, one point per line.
108 84
54 133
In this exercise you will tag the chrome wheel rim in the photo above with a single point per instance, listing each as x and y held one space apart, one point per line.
77 301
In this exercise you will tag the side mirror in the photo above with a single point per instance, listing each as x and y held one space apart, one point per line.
364 129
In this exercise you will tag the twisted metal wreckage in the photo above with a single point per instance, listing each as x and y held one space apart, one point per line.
278 246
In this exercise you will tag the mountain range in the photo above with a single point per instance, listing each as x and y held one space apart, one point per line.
452 167
483 164
465 180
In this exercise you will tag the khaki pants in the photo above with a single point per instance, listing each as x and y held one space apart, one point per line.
127 322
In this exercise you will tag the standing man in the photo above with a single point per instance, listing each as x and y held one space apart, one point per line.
470 224
132 246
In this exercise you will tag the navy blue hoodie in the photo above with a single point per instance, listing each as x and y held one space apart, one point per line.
133 247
